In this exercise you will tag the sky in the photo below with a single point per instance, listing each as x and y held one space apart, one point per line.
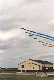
15 45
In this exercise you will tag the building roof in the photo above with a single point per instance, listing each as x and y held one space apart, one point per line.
42 62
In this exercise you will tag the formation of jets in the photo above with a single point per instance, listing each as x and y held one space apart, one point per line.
37 34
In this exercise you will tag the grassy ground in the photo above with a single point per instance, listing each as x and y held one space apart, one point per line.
23 78
14 76
26 79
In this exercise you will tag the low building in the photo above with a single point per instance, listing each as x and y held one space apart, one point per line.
35 65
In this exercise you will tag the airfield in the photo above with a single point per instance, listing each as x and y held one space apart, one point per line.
24 76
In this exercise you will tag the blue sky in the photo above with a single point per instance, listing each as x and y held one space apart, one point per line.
15 45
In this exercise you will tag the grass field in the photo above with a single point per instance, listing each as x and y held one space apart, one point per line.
19 77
